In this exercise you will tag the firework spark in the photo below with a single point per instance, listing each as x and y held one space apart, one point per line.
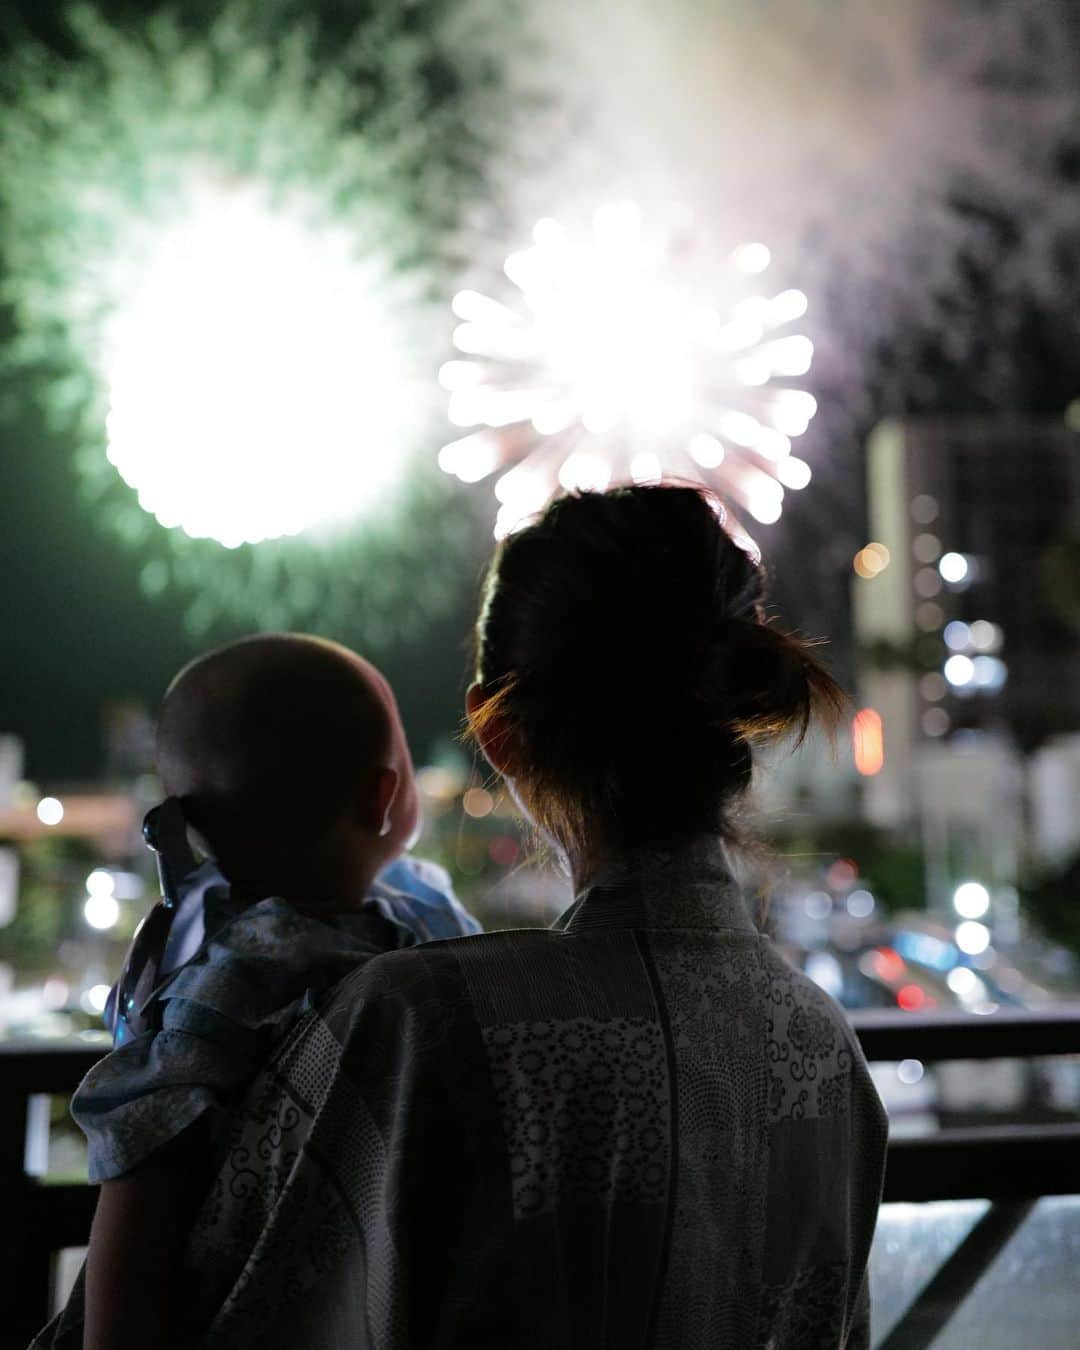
620 359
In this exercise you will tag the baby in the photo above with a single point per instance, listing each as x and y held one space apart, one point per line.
287 756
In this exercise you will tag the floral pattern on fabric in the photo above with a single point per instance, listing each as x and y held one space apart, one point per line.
809 1046
584 1107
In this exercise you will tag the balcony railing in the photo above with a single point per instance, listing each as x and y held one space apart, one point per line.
1011 1166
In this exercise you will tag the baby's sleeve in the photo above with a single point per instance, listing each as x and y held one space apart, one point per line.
420 895
148 1091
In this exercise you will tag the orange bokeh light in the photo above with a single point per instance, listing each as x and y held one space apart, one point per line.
868 742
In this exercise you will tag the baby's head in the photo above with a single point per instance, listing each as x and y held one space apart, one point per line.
289 756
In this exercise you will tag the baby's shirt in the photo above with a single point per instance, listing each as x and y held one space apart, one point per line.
418 895
253 971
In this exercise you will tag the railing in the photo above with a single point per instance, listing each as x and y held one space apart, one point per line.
39 1219
1011 1166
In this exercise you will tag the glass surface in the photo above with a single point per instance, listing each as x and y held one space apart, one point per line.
1027 1296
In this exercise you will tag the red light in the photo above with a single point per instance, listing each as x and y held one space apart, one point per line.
910 997
842 873
503 850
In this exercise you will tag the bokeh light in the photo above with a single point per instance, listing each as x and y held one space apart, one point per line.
860 904
868 742
95 998
963 981
989 673
626 354
101 911
971 900
957 635
871 560
910 1071
911 997
972 937
954 567
477 802
101 882
50 811
935 722
933 687
985 636
959 671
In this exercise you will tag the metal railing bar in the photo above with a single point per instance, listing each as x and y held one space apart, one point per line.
1007 1162
56 1069
884 1034
1006 1034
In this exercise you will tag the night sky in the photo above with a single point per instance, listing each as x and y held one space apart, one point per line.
77 631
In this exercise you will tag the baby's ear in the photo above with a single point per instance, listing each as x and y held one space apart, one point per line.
386 787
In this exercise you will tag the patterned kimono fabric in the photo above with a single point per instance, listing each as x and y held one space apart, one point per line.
638 1129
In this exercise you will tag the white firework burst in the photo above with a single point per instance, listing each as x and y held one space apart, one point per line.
619 358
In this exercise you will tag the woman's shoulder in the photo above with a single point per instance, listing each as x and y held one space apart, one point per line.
404 967
431 976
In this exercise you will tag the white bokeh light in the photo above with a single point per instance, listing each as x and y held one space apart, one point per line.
957 635
101 911
964 983
101 882
50 811
255 377
971 899
953 567
971 937
626 354
959 671
95 998
910 1071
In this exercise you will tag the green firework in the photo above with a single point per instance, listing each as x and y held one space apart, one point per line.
98 154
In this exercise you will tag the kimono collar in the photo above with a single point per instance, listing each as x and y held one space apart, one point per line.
689 886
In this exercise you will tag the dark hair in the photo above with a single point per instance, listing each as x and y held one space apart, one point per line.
627 659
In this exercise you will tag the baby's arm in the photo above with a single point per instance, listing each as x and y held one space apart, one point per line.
134 1268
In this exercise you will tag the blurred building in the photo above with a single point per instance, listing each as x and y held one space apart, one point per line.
816 779
963 651
1055 800
11 767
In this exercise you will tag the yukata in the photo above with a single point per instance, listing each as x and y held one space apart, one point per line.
639 1130
238 978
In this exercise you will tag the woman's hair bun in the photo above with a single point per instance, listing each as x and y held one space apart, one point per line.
624 641
767 684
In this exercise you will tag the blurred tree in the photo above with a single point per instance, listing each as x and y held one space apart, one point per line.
892 868
1052 900
45 915
1061 576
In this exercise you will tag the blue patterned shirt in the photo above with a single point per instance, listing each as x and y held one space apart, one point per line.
238 978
